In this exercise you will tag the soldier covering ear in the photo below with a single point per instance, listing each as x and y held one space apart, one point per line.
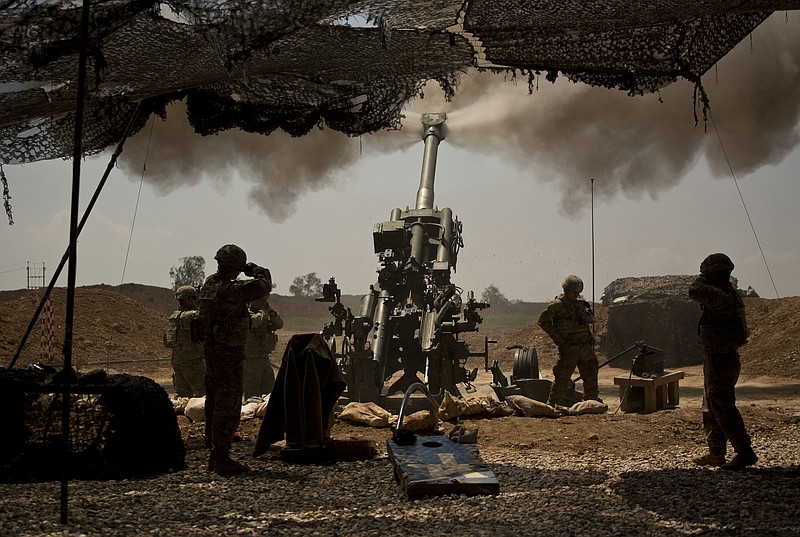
722 330
225 316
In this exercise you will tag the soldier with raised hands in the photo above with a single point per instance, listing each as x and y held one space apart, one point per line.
226 319
722 330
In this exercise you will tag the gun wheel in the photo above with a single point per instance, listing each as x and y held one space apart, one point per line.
526 363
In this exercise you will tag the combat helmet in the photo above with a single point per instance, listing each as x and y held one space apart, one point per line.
716 264
572 283
185 291
232 256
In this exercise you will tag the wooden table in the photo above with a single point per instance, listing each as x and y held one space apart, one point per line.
659 392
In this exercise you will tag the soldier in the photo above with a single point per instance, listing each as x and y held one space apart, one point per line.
259 378
566 320
722 330
226 320
188 368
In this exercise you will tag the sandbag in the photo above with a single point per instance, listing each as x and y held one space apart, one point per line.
455 407
365 414
249 410
588 407
531 408
262 407
495 409
421 421
195 409
179 405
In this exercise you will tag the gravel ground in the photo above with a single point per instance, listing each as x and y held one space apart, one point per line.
614 474
543 491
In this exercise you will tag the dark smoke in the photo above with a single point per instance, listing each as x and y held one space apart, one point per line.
280 168
638 145
564 132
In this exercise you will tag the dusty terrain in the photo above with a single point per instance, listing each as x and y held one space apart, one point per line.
617 457
119 328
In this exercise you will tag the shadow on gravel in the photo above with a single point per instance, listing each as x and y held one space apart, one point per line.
756 501
513 478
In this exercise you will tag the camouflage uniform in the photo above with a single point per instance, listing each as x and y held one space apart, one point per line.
226 320
567 322
188 367
259 378
722 330
189 370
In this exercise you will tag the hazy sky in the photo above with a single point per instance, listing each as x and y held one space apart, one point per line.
515 167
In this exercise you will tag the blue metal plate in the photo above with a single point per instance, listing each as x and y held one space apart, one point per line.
437 465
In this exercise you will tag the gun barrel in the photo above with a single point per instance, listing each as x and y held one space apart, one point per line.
432 134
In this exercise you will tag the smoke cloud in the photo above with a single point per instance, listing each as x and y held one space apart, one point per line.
564 132
280 168
637 146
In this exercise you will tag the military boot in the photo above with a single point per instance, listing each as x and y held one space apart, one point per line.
222 464
710 459
740 461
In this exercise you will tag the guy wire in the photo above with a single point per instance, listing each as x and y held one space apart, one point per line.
725 154
592 182
138 196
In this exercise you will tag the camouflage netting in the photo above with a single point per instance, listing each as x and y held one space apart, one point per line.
646 289
121 426
349 65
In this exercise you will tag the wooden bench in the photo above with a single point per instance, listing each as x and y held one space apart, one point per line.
659 392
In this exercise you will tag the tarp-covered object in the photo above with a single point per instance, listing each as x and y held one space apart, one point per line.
121 426
307 388
350 65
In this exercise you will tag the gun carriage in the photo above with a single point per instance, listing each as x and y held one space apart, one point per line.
410 320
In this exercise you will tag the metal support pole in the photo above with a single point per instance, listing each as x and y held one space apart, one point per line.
77 156
592 181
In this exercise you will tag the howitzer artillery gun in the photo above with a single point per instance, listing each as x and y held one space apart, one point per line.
411 318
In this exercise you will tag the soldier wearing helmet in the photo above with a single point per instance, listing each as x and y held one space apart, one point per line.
717 264
231 256
182 337
225 320
722 330
567 320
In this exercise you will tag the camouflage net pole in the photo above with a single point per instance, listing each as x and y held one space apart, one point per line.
72 271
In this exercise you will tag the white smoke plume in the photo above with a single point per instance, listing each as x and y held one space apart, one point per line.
565 132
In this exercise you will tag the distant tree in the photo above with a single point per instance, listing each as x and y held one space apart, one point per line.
493 296
308 285
190 272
